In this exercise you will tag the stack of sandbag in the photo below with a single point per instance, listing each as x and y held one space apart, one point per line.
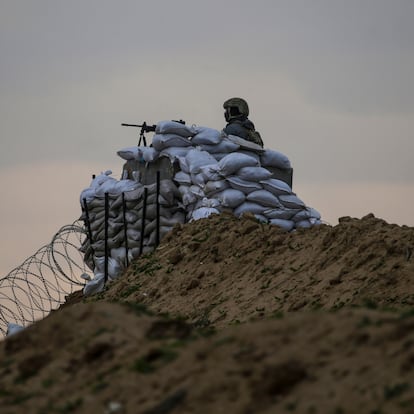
125 228
219 171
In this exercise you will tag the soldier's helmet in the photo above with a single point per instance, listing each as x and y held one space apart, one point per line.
235 108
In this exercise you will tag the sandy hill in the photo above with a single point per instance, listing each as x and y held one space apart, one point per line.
232 316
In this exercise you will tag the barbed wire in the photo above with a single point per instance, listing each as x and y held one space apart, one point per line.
41 283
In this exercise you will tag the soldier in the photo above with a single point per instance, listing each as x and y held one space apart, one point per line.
236 113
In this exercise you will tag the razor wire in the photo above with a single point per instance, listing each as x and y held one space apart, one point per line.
41 283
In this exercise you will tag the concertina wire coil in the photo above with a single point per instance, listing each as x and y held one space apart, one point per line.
41 283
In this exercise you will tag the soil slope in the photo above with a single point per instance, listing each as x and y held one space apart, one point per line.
232 316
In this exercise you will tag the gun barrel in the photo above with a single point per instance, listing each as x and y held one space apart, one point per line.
132 125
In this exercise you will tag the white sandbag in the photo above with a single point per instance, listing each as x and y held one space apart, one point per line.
303 224
224 146
276 187
210 202
133 234
124 186
13 328
87 194
174 153
213 187
187 196
119 254
95 285
196 159
108 186
286 225
265 198
101 178
272 158
151 211
198 179
167 189
116 202
234 161
115 268
182 161
114 228
133 253
182 178
162 141
129 153
149 154
141 153
245 144
205 135
280 213
210 173
135 194
95 203
306 214
197 191
219 156
291 201
173 127
250 154
261 218
203 212
230 197
253 173
249 207
243 185
132 216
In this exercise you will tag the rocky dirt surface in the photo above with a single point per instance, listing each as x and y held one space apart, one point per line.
232 316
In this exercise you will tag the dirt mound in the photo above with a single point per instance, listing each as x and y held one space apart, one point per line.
231 315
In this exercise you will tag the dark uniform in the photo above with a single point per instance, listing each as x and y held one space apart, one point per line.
236 114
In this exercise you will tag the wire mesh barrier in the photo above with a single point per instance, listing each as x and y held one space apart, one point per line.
41 283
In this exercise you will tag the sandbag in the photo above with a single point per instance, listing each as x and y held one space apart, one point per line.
286 225
245 144
173 127
291 201
182 178
162 141
187 196
230 197
129 153
253 173
213 187
234 161
203 212
174 153
224 146
196 159
280 213
210 173
205 135
249 207
243 185
272 158
265 198
276 187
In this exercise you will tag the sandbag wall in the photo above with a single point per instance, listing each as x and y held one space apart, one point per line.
123 220
216 172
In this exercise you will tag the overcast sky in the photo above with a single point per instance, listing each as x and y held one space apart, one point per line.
329 83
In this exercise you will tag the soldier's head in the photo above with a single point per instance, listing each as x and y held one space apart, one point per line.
235 108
